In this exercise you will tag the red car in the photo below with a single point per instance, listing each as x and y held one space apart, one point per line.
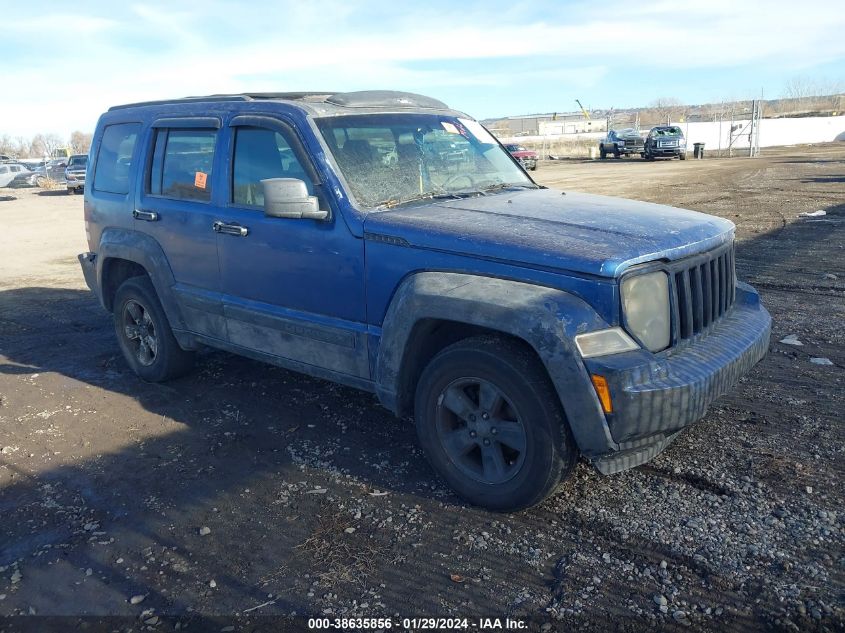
526 157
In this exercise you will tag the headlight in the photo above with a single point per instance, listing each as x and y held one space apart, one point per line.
645 301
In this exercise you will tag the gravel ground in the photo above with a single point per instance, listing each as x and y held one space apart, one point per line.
246 490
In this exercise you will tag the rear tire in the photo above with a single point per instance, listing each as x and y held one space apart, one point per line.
491 424
602 152
144 334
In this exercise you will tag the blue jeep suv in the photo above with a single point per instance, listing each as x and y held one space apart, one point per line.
387 242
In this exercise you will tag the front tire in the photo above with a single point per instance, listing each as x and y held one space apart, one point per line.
144 334
682 156
491 424
602 152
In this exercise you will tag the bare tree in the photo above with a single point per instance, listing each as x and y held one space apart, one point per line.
7 146
667 108
80 142
45 144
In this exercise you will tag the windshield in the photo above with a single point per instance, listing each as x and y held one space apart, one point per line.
78 161
389 159
667 131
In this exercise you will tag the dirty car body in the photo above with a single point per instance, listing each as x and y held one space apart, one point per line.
332 234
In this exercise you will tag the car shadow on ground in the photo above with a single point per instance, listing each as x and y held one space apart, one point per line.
172 452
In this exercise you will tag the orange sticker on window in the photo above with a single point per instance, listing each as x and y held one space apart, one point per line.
200 179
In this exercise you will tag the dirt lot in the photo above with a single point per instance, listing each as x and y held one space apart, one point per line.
245 485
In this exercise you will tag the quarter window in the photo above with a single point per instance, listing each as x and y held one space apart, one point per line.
114 158
261 154
182 163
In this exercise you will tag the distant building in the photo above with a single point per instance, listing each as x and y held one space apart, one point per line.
543 124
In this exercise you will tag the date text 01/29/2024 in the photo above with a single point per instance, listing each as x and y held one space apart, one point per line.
418 624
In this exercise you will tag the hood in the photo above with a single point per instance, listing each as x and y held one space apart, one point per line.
546 228
524 153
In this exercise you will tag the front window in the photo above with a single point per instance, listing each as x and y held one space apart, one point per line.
390 159
664 132
78 161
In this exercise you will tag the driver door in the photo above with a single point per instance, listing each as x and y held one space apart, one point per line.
292 288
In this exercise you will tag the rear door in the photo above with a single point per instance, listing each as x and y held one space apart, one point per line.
292 288
176 206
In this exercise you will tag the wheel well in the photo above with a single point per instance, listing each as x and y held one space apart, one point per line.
428 337
115 272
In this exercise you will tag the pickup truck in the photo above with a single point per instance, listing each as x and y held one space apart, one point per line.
621 143
520 327
525 157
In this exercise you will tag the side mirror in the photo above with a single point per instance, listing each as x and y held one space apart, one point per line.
288 198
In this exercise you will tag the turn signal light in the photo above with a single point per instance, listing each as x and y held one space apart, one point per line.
603 391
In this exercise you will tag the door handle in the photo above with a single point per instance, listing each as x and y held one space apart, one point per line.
230 229
149 216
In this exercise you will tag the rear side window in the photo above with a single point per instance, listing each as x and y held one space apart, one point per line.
181 166
114 159
260 154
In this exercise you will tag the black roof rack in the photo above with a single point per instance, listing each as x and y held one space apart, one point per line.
252 96
360 99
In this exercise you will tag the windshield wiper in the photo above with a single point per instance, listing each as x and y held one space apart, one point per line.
429 195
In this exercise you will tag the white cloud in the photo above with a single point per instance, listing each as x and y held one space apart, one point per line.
152 50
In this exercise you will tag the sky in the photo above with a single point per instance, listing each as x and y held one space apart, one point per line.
65 63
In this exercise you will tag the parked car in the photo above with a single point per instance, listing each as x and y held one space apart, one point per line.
665 140
10 171
53 170
621 143
75 173
519 327
526 157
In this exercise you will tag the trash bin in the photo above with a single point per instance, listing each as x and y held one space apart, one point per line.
698 150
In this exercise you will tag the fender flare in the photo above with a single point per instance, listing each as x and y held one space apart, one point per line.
545 318
147 252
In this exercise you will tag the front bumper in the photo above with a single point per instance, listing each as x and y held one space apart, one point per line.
75 183
667 151
656 395
527 163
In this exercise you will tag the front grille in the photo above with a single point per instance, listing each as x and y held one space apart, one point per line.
704 291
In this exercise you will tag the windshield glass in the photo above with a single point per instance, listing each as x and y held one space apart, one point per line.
389 159
78 161
667 131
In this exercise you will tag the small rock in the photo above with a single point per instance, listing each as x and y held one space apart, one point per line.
151 621
679 615
212 584
664 608
89 571
792 339
2 596
809 490
205 530
7 450
137 599
546 627
830 277
227 629
663 564
16 577
660 600
118 561
349 530
606 557
821 361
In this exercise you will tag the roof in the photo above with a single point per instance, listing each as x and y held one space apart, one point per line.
321 103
